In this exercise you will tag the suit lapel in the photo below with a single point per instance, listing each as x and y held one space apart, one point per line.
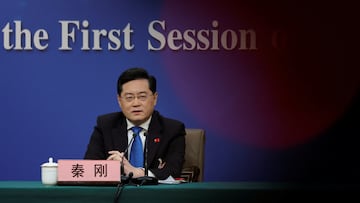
154 137
119 136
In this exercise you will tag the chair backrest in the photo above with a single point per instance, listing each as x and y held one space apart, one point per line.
195 152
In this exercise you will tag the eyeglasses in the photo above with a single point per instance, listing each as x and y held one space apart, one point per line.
131 97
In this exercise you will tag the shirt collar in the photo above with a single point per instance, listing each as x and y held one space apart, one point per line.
144 125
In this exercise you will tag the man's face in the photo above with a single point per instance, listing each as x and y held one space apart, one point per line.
137 101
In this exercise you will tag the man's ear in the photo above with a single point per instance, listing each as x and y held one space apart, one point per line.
119 100
155 98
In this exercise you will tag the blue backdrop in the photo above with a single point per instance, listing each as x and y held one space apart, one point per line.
273 84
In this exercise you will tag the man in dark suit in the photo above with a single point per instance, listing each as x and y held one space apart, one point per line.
164 137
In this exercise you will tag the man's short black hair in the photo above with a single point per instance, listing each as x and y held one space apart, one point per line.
134 74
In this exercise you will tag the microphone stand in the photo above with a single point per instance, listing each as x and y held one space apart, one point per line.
146 180
125 179
120 187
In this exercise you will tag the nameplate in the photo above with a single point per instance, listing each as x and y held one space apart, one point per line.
88 172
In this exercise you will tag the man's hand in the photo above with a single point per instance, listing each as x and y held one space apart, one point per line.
119 156
115 155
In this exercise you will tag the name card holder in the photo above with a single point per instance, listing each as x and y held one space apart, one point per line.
88 172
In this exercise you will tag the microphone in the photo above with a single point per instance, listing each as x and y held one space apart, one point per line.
123 175
146 153
146 179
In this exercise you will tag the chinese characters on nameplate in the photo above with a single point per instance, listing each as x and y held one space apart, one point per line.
83 172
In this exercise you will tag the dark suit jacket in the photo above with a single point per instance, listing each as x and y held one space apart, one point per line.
165 139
